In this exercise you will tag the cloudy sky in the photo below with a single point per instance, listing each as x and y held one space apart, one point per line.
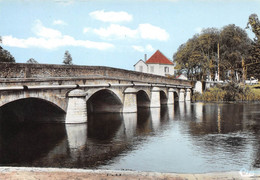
114 33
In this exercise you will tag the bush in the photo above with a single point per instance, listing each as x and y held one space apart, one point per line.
229 92
233 92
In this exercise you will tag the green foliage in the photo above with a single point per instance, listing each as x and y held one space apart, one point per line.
234 47
254 22
67 58
201 56
5 56
229 92
232 92
255 95
197 57
253 62
213 94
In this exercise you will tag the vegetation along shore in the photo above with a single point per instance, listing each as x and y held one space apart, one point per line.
229 92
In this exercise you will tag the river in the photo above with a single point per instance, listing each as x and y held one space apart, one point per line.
183 138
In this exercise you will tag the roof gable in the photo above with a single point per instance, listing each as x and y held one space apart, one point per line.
158 58
140 62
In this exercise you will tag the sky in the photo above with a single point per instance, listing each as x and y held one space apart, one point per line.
114 33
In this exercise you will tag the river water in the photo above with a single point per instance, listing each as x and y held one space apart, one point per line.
184 138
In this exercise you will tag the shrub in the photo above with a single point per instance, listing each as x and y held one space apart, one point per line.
229 92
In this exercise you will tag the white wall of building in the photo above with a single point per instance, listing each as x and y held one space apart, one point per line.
140 66
161 69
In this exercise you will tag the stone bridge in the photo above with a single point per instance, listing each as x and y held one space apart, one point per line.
79 90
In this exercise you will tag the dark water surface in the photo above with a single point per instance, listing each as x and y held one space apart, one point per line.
184 138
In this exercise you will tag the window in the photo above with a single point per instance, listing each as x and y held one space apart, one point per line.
166 70
151 69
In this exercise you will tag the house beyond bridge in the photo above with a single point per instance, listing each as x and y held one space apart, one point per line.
157 64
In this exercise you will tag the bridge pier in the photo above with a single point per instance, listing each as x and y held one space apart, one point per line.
182 95
155 98
77 107
170 96
130 101
188 95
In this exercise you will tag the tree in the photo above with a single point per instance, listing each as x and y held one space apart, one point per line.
254 22
252 65
5 56
214 52
32 61
234 49
67 58
197 57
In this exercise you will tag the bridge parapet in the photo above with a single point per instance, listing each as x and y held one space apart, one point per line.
79 90
48 72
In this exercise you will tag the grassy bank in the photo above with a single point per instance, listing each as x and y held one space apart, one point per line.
229 92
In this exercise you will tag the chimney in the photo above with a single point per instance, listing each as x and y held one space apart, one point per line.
145 57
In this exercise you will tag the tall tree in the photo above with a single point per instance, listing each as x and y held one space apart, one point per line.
252 64
234 49
67 58
197 57
208 44
254 22
5 56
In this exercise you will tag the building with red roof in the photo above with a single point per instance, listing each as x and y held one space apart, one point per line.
157 64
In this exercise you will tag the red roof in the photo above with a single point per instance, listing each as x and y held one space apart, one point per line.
158 58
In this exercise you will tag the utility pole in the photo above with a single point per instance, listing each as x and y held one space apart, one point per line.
218 64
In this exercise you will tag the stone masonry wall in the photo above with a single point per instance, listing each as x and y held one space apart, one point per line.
20 70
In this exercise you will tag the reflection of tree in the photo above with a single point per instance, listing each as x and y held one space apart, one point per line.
218 128
217 118
227 129
252 113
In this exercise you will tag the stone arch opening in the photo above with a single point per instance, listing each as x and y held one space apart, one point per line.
104 101
31 110
176 96
163 98
142 99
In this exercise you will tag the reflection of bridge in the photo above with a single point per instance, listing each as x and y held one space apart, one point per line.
78 90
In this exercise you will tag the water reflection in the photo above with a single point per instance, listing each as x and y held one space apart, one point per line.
182 113
130 123
104 127
198 112
76 135
184 137
155 118
24 144
171 112
144 123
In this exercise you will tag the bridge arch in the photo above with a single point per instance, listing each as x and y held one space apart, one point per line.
50 98
143 99
31 110
163 97
176 95
103 100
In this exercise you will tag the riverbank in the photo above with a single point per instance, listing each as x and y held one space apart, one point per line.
30 173
230 92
